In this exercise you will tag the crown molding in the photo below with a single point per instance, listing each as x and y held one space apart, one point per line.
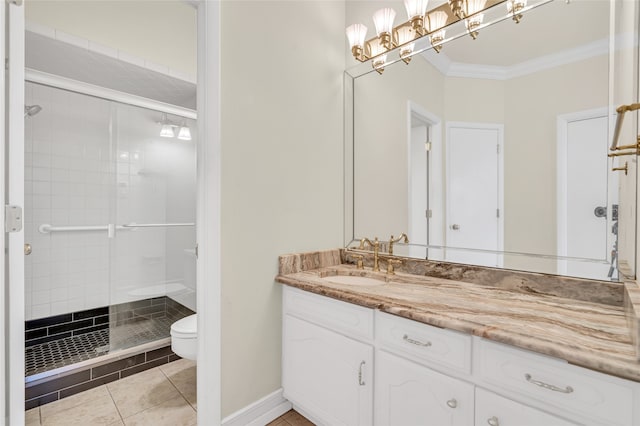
492 72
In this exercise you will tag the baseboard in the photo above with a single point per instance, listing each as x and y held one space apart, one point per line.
261 412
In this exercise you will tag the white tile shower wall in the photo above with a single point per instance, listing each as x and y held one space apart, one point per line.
70 181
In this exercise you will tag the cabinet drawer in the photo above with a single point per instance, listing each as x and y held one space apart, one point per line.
494 409
600 398
346 318
423 343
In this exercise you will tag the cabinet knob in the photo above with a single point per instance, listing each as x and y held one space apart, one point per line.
452 403
493 421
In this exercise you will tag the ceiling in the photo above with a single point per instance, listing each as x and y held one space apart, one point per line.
59 54
545 30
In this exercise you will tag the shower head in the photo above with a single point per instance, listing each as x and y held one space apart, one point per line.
32 110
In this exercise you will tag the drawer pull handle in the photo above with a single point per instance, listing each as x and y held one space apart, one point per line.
415 342
530 379
360 381
493 421
452 403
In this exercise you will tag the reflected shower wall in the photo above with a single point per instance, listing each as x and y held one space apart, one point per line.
109 212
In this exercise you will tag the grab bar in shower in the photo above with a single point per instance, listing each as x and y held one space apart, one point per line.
157 225
47 228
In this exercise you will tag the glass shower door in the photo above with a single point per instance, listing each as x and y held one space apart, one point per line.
152 254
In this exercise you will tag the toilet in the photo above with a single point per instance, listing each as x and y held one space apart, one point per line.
184 337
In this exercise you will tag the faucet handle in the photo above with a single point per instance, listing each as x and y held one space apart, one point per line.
359 260
403 237
390 265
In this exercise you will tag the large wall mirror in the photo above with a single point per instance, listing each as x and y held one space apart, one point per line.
494 151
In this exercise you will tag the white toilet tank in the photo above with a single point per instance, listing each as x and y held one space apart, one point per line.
184 337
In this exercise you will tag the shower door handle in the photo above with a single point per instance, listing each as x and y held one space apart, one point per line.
27 249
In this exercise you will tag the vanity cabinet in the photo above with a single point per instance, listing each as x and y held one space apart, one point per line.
407 393
327 373
327 360
341 370
495 410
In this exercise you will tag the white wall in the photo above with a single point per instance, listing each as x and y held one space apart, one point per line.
160 31
281 114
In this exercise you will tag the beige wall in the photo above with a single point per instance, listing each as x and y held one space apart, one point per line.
281 171
381 158
529 151
160 31
532 105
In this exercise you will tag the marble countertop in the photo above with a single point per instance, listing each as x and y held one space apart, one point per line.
591 335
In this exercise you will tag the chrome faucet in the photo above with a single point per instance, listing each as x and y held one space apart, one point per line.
392 241
376 251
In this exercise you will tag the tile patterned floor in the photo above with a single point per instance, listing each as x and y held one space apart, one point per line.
291 418
162 396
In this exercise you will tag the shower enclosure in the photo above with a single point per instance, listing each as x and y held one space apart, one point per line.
109 221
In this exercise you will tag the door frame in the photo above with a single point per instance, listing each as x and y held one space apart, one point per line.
435 227
483 126
207 218
13 189
563 121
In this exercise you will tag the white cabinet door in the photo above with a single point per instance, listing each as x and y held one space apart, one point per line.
494 410
327 374
408 394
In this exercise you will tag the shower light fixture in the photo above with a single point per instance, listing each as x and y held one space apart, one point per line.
169 129
184 133
422 23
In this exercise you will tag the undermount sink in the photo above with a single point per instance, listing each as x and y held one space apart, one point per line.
353 280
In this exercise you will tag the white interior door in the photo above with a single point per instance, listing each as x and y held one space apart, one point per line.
419 185
13 164
582 188
474 192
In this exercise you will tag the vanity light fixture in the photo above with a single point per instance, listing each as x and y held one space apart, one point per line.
475 18
422 23
514 7
437 21
383 21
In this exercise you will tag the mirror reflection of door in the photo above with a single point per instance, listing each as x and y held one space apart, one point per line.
474 193
583 207
419 210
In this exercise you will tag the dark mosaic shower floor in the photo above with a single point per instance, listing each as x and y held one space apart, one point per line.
59 353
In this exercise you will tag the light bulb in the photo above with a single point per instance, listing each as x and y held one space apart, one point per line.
356 34
383 20
415 8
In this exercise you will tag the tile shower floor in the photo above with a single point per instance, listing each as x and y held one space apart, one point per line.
162 396
68 351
